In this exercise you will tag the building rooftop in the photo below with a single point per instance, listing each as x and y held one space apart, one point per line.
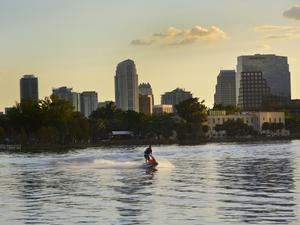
29 76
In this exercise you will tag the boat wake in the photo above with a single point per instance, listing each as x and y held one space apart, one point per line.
114 164
117 164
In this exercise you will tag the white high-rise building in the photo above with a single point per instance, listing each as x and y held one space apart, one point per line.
261 79
68 95
126 86
89 102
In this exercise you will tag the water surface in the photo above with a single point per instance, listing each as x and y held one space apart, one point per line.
208 184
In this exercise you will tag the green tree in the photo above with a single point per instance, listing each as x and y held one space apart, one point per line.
266 126
2 134
162 125
230 109
47 135
235 128
193 114
58 113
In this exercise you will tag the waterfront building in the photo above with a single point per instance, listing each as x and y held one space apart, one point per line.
67 94
88 102
175 97
29 88
145 104
146 89
225 89
126 86
262 80
253 119
159 109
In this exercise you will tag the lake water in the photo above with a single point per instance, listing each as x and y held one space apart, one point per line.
208 184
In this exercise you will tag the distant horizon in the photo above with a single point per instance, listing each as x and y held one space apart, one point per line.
79 44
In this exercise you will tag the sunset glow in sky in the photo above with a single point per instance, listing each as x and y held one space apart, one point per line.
174 43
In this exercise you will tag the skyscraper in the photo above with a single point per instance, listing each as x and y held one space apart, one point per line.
145 104
126 86
146 89
68 95
261 79
29 88
89 102
225 88
175 97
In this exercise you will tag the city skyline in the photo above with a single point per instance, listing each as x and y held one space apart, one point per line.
73 44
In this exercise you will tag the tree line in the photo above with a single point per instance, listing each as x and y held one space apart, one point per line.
52 121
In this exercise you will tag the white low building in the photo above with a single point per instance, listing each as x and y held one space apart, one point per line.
253 119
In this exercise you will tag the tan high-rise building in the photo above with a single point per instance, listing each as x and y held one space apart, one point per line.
146 89
126 86
146 104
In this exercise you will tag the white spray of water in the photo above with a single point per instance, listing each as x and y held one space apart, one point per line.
114 164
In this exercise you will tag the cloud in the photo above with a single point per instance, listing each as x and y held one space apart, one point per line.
293 13
273 28
279 32
142 42
175 36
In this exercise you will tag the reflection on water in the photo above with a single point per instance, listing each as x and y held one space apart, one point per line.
209 184
257 189
134 190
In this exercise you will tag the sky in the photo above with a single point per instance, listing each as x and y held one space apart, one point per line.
174 43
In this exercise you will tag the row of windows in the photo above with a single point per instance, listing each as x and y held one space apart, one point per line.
251 74
246 120
252 79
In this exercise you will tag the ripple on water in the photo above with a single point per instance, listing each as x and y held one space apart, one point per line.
208 184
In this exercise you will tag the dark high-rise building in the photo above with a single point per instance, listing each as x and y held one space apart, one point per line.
225 88
126 86
29 88
175 97
254 91
270 74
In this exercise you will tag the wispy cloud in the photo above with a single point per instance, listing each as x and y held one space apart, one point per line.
142 42
279 32
293 12
176 36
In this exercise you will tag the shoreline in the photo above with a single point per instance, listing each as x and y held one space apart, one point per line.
57 148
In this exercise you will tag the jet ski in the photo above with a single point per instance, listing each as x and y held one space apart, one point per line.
151 164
